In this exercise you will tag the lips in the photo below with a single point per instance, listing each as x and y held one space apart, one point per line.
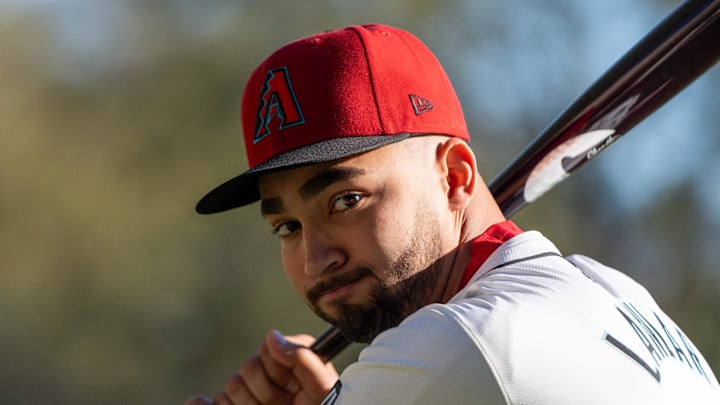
336 285
339 290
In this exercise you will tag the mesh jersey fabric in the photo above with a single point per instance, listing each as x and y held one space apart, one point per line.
533 327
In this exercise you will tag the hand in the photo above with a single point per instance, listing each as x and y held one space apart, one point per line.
284 371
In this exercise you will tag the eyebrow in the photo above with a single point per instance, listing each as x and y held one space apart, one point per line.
269 206
312 187
316 184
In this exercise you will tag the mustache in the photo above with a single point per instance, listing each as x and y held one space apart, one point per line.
324 286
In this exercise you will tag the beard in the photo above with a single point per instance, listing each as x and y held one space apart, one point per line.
414 278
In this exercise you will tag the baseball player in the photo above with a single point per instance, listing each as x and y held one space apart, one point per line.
358 153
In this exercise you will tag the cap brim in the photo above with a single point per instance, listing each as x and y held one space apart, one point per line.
243 189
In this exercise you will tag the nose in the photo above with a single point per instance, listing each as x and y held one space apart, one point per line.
323 251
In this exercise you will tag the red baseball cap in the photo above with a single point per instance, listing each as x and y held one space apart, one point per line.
336 94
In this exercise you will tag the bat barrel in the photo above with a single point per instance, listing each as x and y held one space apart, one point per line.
676 52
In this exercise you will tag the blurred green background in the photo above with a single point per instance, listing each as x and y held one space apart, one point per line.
116 116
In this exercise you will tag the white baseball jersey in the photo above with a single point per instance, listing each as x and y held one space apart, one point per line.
533 327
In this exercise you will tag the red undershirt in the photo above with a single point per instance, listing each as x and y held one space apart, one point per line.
484 245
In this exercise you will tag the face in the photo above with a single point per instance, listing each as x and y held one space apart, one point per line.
360 237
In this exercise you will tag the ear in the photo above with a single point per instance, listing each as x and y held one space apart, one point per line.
457 161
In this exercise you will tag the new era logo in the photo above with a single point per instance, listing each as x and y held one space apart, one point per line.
420 104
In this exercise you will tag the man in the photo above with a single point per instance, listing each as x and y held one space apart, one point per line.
358 154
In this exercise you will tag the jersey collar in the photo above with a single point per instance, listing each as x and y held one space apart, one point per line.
485 244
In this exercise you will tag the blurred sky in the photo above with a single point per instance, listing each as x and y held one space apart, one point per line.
666 149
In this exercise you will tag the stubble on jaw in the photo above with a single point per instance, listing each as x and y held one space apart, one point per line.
411 285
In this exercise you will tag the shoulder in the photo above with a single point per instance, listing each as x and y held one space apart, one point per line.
431 357
613 281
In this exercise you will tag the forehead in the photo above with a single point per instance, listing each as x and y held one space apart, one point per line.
368 162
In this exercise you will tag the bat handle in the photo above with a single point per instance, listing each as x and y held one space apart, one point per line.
329 343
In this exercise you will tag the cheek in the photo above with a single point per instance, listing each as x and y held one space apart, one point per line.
390 229
388 234
294 270
413 216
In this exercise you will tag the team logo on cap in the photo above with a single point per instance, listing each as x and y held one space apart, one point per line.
277 101
420 104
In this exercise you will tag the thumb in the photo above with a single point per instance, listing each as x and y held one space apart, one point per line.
281 349
314 376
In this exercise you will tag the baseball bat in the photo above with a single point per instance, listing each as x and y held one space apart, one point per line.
671 56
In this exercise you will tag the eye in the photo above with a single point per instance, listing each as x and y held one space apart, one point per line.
346 201
286 228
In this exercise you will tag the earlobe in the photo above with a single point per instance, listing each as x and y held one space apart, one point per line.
460 167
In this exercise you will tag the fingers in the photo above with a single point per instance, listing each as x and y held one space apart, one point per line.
220 399
251 385
299 340
223 399
262 379
281 349
314 375
279 372
254 382
309 371
284 369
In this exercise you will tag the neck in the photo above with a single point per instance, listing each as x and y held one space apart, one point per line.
476 218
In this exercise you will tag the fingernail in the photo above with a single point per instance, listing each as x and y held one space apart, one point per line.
283 344
280 339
